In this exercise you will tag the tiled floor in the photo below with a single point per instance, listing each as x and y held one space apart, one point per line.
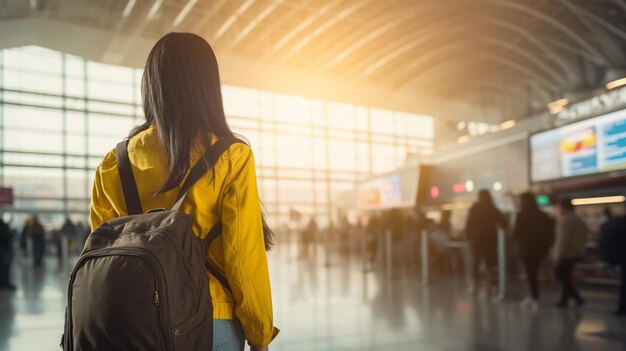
342 308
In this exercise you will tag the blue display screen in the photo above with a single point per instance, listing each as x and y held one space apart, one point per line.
591 146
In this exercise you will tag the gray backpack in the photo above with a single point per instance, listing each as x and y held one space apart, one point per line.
141 281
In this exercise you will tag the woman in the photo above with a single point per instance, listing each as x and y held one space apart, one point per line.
534 233
184 115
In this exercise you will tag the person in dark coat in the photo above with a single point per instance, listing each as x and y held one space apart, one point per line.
569 248
612 246
534 234
68 231
37 234
373 231
481 229
308 237
6 255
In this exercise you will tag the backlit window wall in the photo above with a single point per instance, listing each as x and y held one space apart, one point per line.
59 114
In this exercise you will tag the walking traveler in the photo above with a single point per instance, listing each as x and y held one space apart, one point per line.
67 233
569 248
481 229
37 234
534 234
612 248
184 129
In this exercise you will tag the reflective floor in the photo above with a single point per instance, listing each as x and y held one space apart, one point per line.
332 304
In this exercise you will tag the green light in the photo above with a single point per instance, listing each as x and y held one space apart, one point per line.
542 200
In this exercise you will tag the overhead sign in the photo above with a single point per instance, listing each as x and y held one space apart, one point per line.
6 196
597 105
592 146
396 189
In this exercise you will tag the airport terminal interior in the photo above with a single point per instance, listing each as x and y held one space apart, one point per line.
380 131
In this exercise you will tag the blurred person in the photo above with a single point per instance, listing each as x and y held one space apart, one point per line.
481 229
534 234
67 231
612 248
394 223
570 246
184 117
308 238
81 233
6 255
373 231
24 237
37 234
343 232
439 236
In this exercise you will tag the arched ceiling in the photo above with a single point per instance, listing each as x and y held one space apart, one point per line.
499 59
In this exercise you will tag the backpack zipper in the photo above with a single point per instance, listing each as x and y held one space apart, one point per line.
187 276
157 270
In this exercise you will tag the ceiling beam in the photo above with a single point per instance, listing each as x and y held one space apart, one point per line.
583 44
385 23
559 60
442 69
293 32
322 28
612 53
253 24
199 27
184 12
429 33
245 5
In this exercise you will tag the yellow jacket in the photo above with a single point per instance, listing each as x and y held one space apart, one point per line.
231 197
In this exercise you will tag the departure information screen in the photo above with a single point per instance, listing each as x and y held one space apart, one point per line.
595 145
396 189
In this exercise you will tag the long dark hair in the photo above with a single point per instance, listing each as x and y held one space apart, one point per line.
182 98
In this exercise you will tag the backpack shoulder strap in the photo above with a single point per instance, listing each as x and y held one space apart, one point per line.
129 187
213 234
201 168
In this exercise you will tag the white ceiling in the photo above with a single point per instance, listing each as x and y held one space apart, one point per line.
485 60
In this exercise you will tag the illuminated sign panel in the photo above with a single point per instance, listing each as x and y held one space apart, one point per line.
612 100
595 145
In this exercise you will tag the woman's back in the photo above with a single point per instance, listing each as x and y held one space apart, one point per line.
184 116
229 194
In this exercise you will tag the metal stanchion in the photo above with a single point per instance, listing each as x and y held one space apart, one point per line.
388 253
467 255
327 244
364 250
501 264
424 254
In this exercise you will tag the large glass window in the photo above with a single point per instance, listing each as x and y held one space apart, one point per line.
60 114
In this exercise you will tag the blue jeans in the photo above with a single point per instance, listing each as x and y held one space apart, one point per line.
227 335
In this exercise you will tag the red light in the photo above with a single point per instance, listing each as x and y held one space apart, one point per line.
434 192
458 187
